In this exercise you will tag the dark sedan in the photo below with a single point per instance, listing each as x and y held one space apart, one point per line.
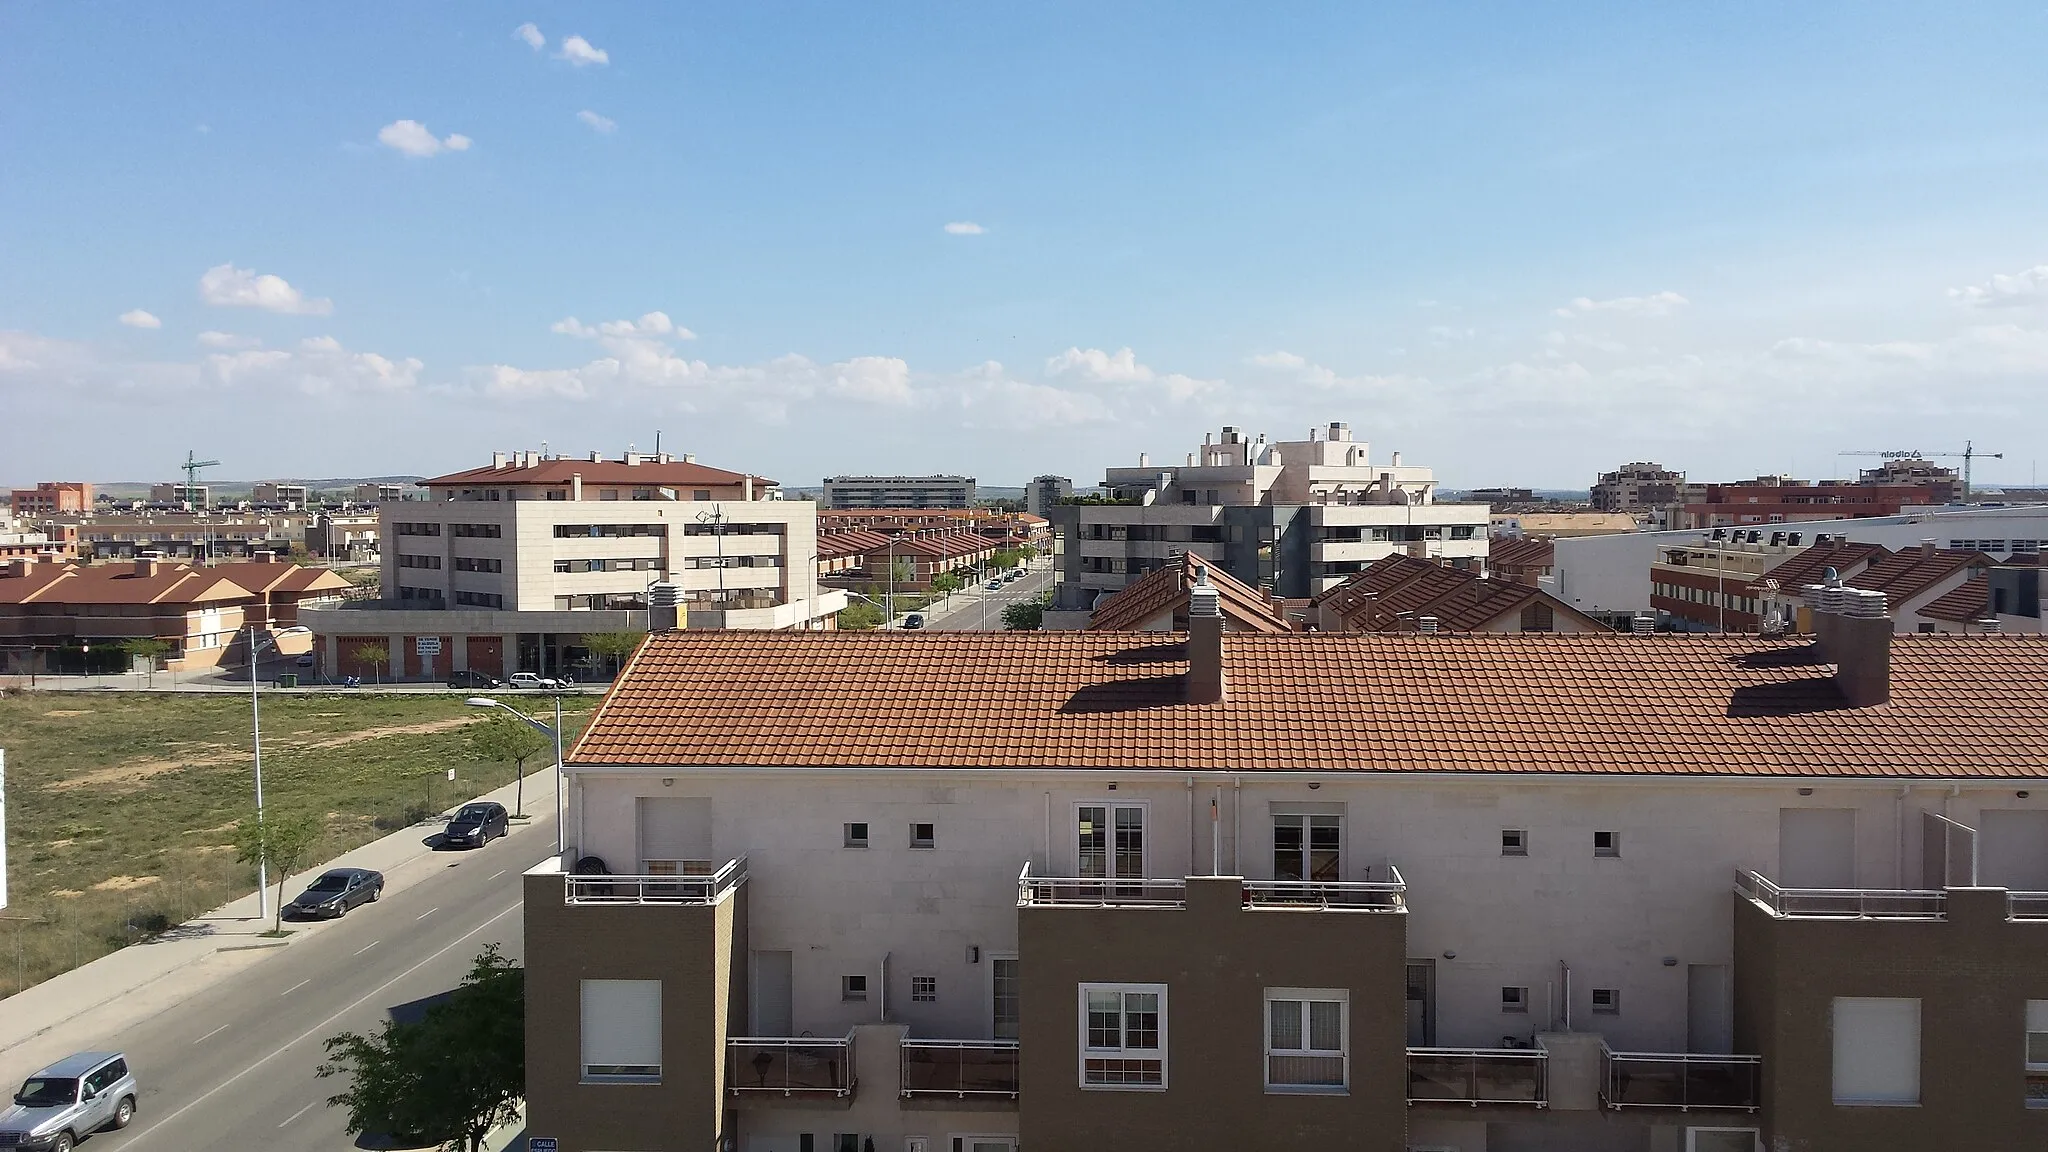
473 825
336 891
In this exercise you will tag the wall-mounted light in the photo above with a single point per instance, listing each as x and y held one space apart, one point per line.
1112 785
1450 955
1314 784
974 953
2022 793
1806 791
668 781
1671 961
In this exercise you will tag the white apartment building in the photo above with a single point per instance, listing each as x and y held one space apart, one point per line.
1294 517
1299 891
843 493
505 568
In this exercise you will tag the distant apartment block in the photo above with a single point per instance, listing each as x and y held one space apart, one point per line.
1768 500
343 535
198 537
1046 492
377 493
51 498
1294 517
844 492
278 492
197 495
506 568
1638 486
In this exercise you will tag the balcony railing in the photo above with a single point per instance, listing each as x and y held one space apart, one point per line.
1681 1080
1843 903
1089 892
960 1069
2027 905
1370 895
655 889
1478 1076
789 1066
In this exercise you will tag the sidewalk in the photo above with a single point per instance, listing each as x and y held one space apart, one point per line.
139 973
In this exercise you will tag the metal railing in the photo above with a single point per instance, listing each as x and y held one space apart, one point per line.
1682 1080
961 1069
1843 903
1478 1076
2027 905
789 1066
655 889
1369 895
1090 892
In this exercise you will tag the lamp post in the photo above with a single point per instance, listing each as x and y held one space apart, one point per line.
556 732
256 744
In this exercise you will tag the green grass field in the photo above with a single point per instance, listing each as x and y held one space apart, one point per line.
121 806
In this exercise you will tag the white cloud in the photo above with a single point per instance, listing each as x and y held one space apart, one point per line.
229 286
319 366
578 51
2021 288
650 324
140 319
227 340
602 124
965 228
1315 376
1122 369
412 138
531 35
1655 304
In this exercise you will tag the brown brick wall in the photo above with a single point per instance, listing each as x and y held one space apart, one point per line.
699 956
1973 974
1216 960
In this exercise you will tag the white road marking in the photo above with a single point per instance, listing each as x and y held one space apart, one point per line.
367 947
498 873
211 1035
296 1115
427 913
296 987
316 1029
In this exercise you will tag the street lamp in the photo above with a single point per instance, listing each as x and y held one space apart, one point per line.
556 732
256 744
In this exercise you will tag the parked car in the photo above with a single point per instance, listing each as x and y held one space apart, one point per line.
1016 573
535 680
305 660
914 620
336 891
474 824
994 586
471 678
69 1100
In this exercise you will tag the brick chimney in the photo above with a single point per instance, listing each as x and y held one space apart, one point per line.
145 565
1854 631
1205 683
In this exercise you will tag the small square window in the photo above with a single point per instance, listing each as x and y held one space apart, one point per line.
1514 842
924 836
1514 999
1607 1000
924 989
857 835
1606 843
853 987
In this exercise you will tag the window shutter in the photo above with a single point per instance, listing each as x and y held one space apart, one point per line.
622 1028
1877 1050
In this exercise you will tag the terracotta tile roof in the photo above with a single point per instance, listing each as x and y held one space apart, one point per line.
1905 575
1961 706
1808 567
111 584
1967 603
1166 589
850 542
646 474
1521 554
281 576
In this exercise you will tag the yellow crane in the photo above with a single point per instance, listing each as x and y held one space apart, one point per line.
1967 455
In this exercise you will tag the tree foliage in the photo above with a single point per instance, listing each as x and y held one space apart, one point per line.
614 647
860 616
375 655
502 738
1026 615
279 843
449 1077
947 583
150 648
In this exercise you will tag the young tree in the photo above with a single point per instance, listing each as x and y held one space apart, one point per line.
279 843
615 647
1025 615
375 655
148 648
451 1076
298 553
499 738
860 616
947 583
1028 552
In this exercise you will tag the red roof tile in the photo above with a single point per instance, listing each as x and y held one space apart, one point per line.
1164 589
1811 565
1961 706
1967 603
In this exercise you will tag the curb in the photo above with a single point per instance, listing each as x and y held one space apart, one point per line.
255 947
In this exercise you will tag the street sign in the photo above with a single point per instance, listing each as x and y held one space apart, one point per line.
541 1144
427 645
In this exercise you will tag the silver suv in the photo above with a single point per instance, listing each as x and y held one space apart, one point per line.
74 1097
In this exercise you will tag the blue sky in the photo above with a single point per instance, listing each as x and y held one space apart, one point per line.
1519 243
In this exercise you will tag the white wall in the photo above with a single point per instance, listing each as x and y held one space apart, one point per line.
1488 921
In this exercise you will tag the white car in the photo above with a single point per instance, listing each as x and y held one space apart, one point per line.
994 586
533 680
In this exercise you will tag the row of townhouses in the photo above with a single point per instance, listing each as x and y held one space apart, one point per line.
1223 889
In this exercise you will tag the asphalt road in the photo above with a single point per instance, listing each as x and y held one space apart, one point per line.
966 614
233 1067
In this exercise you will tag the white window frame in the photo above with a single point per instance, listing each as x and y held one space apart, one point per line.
1144 808
1307 850
1692 1145
2037 1070
1303 997
1521 849
1120 1053
648 1073
1919 1023
846 993
1613 849
924 842
1613 1005
1521 1005
847 838
931 997
992 957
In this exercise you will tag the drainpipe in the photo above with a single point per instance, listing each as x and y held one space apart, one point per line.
1237 825
1191 824
1216 832
1046 863
1899 824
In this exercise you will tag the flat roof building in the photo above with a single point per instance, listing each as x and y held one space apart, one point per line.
51 498
845 492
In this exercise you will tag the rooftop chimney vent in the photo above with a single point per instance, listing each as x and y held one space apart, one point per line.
1426 625
1205 683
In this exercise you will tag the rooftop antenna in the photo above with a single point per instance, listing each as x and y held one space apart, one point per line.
657 443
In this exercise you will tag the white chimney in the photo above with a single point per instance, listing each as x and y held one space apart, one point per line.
1144 459
1426 625
1397 460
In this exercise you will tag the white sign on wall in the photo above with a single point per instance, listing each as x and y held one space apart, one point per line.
427 645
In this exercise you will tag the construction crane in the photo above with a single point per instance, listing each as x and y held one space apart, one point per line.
191 468
1967 455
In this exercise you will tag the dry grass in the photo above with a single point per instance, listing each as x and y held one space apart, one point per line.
121 806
